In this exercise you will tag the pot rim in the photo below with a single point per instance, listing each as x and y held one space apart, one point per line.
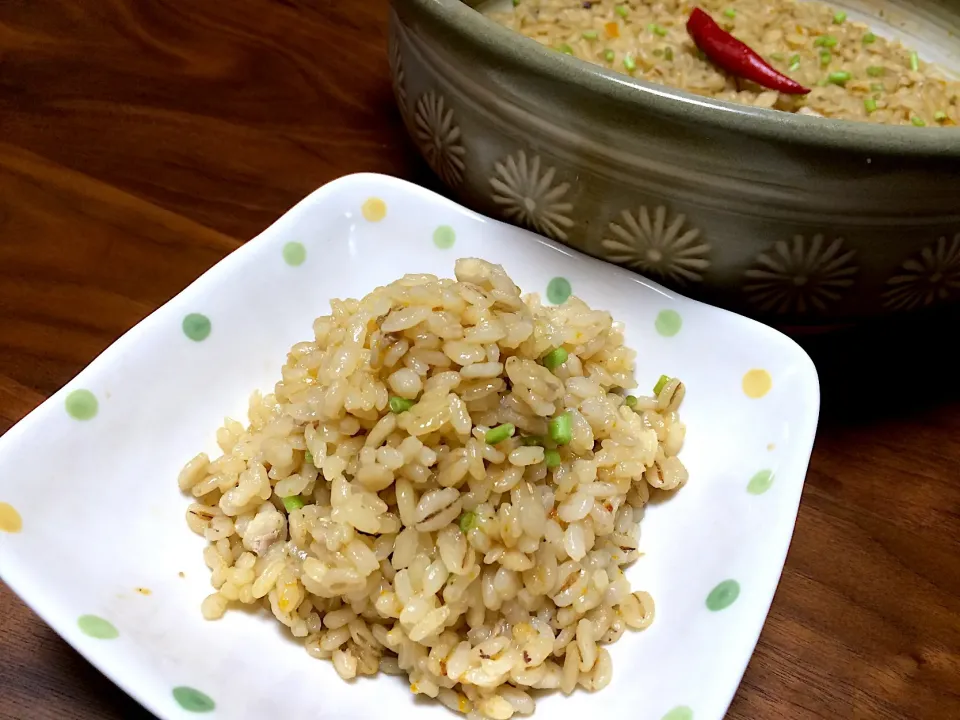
670 103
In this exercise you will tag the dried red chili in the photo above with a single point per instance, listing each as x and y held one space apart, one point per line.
724 50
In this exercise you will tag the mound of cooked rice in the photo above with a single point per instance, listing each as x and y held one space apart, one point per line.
445 483
854 74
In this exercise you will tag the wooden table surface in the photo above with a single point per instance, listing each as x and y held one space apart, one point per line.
143 140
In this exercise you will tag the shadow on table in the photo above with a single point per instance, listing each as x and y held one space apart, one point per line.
898 366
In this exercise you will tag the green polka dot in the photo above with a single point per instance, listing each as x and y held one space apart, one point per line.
723 595
444 237
760 482
82 405
196 326
680 712
193 700
668 323
558 290
97 627
294 253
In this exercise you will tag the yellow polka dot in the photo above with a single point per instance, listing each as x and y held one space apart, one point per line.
10 520
374 209
757 383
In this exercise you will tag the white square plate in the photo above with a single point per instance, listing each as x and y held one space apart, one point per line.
92 531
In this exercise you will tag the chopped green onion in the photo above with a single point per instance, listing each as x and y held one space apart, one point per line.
629 63
839 18
841 77
778 56
399 404
876 87
661 384
939 116
564 48
822 82
621 10
308 457
555 358
917 121
609 55
668 53
794 63
868 38
875 71
825 57
870 105
561 429
658 52
294 502
657 30
468 520
630 401
516 2
551 458
730 13
590 35
914 61
825 41
530 440
499 433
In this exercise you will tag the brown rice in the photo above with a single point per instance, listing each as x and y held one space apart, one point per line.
379 506
853 73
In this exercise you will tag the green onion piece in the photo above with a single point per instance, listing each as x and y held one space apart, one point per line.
668 53
609 55
551 458
630 401
839 18
516 2
561 429
499 433
822 82
917 121
825 57
590 35
730 13
530 440
629 63
564 48
658 52
794 63
825 41
294 502
661 384
657 30
399 404
875 71
868 38
468 520
839 78
876 87
621 10
308 457
778 56
939 116
870 105
555 358
914 61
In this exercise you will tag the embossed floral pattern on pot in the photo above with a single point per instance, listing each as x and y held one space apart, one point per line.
932 276
527 195
399 73
653 246
439 138
801 275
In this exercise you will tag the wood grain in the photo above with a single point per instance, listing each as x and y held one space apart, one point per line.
142 140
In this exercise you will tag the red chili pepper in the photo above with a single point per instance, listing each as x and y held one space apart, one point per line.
724 50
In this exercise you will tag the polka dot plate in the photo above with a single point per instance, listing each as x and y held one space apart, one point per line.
92 533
